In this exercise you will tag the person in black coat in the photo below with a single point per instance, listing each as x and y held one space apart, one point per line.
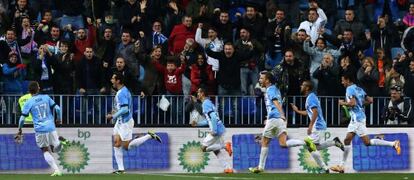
89 74
228 76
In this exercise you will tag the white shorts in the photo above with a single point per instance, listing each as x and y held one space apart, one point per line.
274 128
359 128
211 140
124 129
47 139
318 136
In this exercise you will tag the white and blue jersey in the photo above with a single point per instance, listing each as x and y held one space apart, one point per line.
272 93
41 106
312 101
358 111
212 118
123 98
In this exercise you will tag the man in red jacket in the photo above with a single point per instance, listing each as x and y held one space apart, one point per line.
179 34
82 41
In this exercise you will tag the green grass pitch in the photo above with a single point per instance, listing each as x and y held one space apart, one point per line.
239 176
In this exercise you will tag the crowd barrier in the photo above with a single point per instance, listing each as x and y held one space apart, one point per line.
234 111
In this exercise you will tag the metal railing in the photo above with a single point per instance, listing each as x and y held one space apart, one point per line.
234 111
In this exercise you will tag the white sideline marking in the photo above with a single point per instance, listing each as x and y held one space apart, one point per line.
190 176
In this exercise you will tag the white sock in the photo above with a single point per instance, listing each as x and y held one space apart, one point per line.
380 142
222 156
318 159
325 145
138 141
214 147
345 154
294 142
263 157
119 158
51 161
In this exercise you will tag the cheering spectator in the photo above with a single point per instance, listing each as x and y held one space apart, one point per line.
24 31
228 76
202 75
42 68
11 44
327 76
224 27
131 18
82 41
89 74
253 21
180 34
397 111
127 49
350 23
393 78
13 75
349 45
368 77
212 42
406 69
383 36
172 76
189 56
131 81
316 20
275 39
317 54
157 38
249 71
290 74
65 70
153 80
20 10
295 43
384 65
45 25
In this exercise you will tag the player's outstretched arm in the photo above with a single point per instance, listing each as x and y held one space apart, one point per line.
296 109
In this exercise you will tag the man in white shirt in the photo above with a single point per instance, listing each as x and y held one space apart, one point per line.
214 43
316 20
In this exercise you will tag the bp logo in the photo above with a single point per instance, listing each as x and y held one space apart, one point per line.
308 163
192 158
74 157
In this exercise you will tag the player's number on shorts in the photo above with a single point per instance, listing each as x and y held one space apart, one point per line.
41 110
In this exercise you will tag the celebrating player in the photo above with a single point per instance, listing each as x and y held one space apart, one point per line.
356 98
276 121
214 140
122 117
317 125
40 107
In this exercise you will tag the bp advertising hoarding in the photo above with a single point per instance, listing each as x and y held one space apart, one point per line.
91 152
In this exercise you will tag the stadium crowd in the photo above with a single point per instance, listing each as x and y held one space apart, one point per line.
175 46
